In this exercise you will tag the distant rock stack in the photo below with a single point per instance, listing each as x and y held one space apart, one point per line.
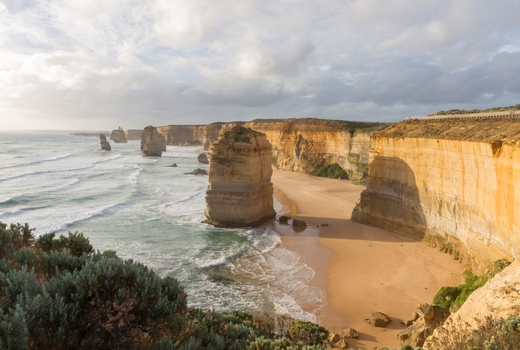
152 142
203 158
133 134
240 192
118 136
105 146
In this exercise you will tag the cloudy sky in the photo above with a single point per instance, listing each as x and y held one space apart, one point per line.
98 64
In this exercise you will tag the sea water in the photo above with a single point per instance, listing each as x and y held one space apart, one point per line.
150 212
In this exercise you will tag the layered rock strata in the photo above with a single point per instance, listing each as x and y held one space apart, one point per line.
304 145
105 145
240 192
152 142
450 182
118 136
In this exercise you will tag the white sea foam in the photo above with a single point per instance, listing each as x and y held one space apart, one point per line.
38 161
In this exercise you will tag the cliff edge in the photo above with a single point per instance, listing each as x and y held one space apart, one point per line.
240 192
450 182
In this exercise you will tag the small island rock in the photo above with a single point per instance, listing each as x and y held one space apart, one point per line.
118 136
203 158
105 145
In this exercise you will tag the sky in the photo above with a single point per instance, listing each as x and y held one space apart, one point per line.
100 64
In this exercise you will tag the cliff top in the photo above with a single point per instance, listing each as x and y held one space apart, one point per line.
315 124
473 111
239 134
481 130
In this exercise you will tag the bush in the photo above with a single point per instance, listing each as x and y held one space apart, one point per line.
333 171
57 293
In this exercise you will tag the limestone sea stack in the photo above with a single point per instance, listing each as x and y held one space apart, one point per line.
105 146
240 192
152 142
118 136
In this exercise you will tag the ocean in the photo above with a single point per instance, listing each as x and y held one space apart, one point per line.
150 212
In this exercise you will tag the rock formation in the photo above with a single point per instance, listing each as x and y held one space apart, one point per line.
118 136
498 298
197 171
240 192
203 158
152 142
378 319
422 324
452 183
133 134
105 146
304 145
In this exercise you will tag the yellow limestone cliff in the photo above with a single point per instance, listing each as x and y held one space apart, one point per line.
304 145
451 182
240 192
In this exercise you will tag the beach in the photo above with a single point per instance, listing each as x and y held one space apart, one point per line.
362 269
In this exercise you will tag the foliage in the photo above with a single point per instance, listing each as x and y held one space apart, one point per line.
454 297
274 160
333 171
495 109
307 332
57 293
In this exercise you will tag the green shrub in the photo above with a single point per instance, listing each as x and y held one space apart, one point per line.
57 293
333 171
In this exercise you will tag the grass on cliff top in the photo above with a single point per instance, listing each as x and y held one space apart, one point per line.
454 297
338 125
472 111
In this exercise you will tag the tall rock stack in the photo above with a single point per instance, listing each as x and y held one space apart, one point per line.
105 146
118 136
152 142
240 192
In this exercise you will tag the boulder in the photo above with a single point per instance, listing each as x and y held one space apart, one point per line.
350 333
422 324
174 165
197 171
378 319
118 136
299 223
240 192
203 158
105 145
333 338
342 344
324 225
152 142
284 219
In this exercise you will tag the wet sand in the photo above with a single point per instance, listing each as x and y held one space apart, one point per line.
361 268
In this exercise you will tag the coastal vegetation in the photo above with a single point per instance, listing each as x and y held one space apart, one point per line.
58 293
472 111
333 171
336 125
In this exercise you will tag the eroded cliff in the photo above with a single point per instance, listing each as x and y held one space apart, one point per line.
304 145
449 182
152 142
240 192
118 135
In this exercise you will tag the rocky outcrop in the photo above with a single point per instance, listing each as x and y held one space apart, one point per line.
105 146
214 130
498 298
152 142
197 171
203 158
240 192
453 183
118 136
378 319
304 145
422 324
133 134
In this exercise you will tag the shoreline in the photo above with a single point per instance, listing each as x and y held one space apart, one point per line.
361 269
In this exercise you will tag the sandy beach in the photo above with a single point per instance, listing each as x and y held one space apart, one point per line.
361 268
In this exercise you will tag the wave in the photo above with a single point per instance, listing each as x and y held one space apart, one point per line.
89 215
135 175
39 161
182 200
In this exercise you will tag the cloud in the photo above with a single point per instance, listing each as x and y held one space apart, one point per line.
95 64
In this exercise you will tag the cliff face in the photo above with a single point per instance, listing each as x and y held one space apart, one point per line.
304 145
449 182
118 136
240 192
152 142
133 134
182 135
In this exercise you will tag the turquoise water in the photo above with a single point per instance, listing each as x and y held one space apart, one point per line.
152 213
